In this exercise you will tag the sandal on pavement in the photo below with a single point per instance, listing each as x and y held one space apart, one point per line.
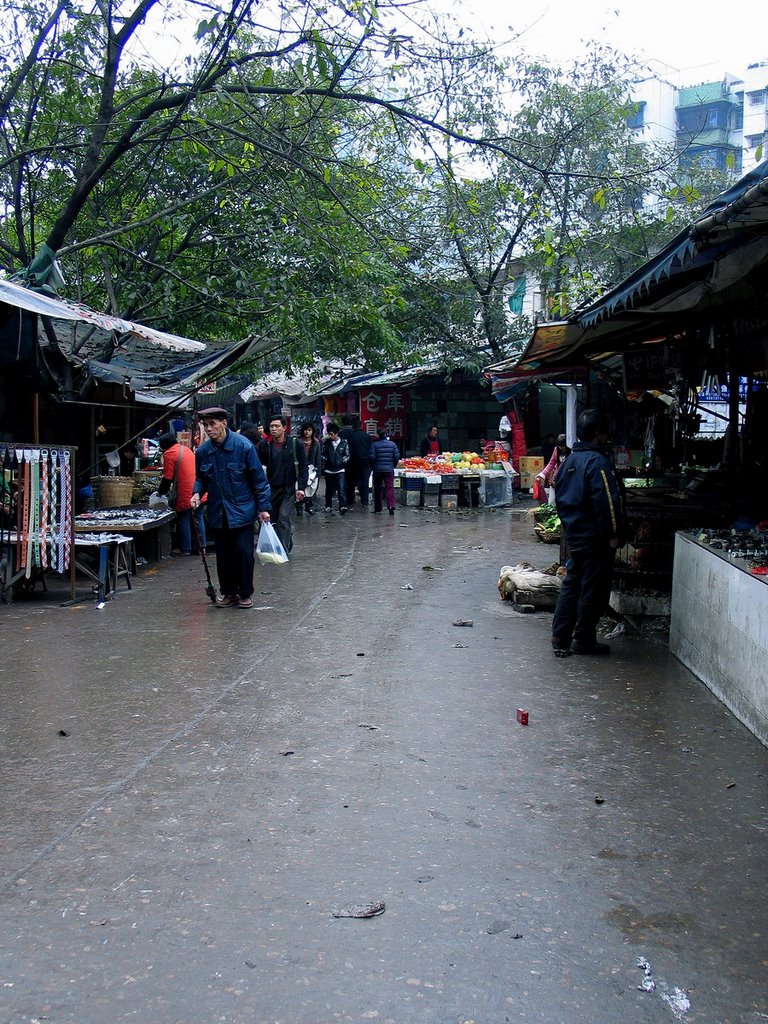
245 602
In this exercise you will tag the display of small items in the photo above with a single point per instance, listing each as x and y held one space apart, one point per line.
751 545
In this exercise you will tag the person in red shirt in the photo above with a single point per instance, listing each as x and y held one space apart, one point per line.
174 453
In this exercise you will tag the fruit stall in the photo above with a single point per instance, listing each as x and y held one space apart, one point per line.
455 479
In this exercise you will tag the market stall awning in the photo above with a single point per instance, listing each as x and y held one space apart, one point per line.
60 309
707 274
177 380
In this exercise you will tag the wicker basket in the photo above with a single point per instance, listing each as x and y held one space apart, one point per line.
547 536
115 491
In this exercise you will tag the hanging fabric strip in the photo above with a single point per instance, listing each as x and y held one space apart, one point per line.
65 532
54 515
44 507
24 509
33 548
5 506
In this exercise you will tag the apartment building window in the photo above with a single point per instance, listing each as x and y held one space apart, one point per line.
756 97
753 141
636 119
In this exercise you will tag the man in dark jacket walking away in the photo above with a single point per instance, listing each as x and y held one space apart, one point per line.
590 505
285 462
228 468
359 468
384 456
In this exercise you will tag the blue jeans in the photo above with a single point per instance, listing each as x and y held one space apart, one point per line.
184 529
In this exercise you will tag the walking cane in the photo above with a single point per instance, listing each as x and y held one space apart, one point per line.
210 589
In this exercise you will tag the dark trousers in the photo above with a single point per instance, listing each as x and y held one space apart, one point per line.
335 484
283 513
235 560
584 596
358 474
383 484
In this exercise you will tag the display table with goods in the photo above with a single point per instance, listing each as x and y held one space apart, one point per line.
149 528
451 480
719 617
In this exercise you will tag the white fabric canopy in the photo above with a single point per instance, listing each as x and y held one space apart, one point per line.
59 309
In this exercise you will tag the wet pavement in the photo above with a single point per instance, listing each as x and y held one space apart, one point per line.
190 793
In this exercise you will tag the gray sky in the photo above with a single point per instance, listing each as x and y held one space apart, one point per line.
700 41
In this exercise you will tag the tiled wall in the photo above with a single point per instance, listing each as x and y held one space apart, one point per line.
719 629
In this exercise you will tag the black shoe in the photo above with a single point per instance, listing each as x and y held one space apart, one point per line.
310 511
561 650
391 511
595 648
343 511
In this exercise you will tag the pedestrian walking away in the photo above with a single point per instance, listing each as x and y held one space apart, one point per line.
335 459
228 469
358 471
384 457
591 509
285 462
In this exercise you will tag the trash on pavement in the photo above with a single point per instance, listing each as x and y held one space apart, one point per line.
372 909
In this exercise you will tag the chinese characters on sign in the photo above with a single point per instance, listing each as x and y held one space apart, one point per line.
384 409
645 368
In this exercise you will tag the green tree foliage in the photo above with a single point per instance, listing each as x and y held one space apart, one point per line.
316 176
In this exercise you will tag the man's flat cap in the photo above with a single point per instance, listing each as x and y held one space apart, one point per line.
214 413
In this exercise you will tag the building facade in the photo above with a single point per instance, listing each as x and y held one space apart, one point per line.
722 125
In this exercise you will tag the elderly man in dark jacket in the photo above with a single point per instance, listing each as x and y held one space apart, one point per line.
590 505
384 456
228 468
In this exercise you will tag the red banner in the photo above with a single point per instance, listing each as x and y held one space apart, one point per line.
384 409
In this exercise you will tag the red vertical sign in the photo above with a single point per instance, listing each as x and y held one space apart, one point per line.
384 409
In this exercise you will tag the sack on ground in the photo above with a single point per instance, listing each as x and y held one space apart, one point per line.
268 547
313 479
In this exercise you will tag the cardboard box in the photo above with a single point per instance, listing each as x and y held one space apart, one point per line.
530 465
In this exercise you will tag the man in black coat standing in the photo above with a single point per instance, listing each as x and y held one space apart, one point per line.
591 509
358 468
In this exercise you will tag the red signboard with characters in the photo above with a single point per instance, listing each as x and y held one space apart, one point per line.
384 409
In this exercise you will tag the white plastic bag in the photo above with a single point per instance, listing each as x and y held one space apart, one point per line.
157 501
313 480
268 547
